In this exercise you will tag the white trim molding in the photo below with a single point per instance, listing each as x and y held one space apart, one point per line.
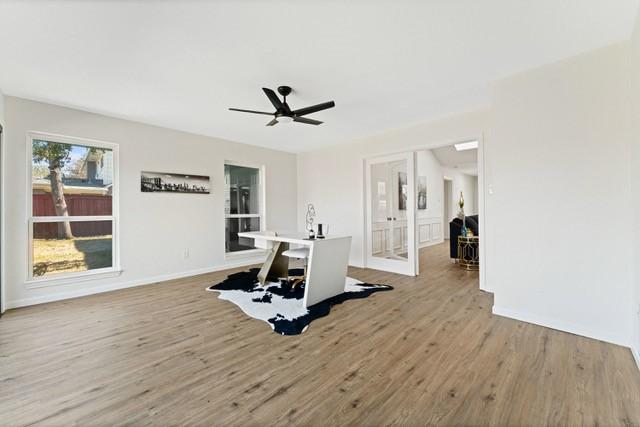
635 351
560 326
3 294
73 278
482 194
241 255
130 284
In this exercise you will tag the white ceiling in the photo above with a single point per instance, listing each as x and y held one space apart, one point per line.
465 161
387 64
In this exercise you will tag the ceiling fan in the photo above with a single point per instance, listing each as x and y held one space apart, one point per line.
283 113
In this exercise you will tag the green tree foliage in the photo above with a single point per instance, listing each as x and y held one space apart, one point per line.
39 170
56 156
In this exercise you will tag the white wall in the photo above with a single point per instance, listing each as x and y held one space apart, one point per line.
468 184
429 222
448 213
557 163
155 228
427 165
333 178
1 108
2 288
635 177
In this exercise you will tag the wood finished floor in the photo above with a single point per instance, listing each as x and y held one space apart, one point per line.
427 353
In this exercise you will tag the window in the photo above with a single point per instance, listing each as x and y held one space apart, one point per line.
72 221
243 206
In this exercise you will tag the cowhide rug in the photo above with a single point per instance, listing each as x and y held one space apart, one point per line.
281 307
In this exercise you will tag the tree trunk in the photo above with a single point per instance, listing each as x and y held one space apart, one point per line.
60 204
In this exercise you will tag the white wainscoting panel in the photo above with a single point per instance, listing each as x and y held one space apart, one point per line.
424 233
436 231
382 238
377 240
429 231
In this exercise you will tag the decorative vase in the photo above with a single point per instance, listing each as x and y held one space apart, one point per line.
463 230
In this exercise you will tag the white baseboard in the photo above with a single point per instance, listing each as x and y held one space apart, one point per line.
431 243
560 326
356 263
636 355
130 284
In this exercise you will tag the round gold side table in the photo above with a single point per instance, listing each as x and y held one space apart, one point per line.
469 252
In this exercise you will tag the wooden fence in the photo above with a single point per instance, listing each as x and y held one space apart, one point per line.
78 205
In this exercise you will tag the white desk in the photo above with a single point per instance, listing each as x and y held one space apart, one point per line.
327 265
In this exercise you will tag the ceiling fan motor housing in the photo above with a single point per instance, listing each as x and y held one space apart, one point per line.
284 90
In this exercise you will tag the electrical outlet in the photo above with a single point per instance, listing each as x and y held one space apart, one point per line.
186 253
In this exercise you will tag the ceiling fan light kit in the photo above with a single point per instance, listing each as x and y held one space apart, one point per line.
283 113
285 119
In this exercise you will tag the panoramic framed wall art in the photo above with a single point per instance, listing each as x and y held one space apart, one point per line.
163 182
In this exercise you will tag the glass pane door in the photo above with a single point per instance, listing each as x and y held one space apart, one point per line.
390 214
242 206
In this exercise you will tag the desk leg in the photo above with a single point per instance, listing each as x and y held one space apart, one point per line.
276 265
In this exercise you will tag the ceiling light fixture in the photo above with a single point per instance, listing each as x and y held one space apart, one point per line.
284 119
470 145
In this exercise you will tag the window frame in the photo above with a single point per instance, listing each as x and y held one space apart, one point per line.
72 277
261 208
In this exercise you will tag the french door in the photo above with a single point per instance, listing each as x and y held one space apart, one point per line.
1 236
390 213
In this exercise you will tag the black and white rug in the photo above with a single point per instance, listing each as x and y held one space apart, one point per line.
281 307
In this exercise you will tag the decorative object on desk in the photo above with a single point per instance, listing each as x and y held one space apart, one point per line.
422 192
402 191
280 305
311 217
160 182
320 231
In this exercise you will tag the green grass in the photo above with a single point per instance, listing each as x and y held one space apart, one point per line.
54 256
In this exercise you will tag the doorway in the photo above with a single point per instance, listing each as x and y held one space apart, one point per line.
447 206
1 228
463 220
427 222
390 213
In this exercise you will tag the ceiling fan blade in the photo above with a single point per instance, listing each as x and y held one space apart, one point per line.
250 111
273 98
307 121
314 108
272 122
